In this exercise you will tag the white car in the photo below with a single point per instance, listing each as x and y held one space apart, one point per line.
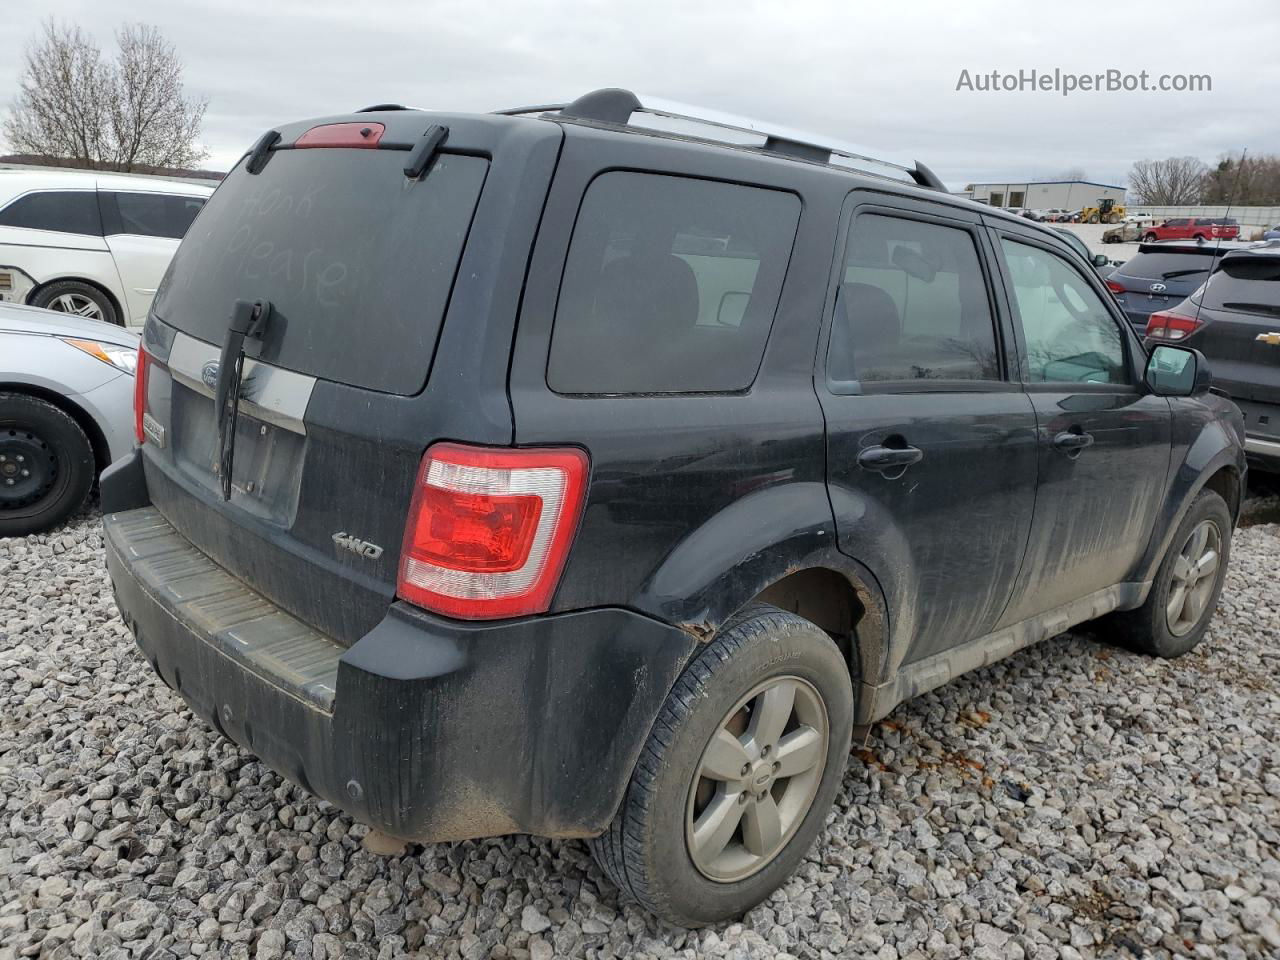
92 244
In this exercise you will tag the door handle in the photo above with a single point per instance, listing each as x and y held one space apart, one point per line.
1072 443
886 460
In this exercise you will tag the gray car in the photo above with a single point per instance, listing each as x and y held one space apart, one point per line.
66 411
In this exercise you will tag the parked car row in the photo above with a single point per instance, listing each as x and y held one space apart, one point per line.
91 244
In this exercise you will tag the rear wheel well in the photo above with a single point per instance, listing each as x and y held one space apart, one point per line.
1226 484
829 600
101 452
92 283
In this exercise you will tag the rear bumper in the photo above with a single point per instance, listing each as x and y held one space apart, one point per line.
426 729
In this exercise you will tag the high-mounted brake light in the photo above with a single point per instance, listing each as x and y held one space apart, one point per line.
489 529
1167 325
140 394
342 135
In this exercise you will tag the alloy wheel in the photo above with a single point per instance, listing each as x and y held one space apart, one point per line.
78 304
1193 577
756 779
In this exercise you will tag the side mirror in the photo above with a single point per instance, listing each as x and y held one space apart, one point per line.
1101 259
1178 372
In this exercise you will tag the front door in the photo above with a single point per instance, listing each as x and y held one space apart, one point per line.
931 448
1103 440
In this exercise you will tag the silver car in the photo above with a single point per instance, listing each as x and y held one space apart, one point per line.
66 411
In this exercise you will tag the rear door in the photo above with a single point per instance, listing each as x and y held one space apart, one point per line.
1104 442
931 446
361 266
142 231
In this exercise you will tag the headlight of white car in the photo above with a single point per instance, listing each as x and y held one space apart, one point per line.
122 358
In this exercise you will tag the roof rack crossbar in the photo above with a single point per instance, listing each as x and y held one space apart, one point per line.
615 105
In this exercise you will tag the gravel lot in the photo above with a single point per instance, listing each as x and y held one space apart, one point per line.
1073 801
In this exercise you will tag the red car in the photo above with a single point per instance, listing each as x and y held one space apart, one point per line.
1193 228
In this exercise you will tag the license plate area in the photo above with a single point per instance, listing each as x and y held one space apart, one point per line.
267 469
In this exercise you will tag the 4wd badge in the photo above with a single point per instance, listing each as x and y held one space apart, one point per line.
362 548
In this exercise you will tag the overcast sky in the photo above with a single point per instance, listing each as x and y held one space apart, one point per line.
881 74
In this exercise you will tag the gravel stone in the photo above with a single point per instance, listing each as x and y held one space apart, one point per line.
1072 802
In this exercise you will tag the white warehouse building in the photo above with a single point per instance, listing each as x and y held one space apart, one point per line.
1042 194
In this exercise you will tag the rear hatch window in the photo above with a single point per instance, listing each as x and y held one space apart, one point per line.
1188 268
1246 285
356 260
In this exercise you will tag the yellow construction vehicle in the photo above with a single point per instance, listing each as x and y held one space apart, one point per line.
1105 212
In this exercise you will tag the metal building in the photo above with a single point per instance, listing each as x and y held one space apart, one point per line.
1042 194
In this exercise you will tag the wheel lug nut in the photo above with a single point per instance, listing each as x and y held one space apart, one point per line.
776 765
742 797
764 752
19 458
746 768
26 473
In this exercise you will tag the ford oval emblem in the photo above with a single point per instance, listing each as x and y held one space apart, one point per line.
209 374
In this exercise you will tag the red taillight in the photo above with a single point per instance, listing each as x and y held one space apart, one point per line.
1114 287
140 394
1171 326
489 529
342 135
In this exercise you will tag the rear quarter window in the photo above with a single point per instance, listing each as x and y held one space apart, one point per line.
670 285
151 214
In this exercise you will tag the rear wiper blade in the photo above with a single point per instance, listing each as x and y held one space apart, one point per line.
1181 273
1271 308
248 321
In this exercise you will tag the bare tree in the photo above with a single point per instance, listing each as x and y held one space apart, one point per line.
61 107
1177 180
152 123
127 115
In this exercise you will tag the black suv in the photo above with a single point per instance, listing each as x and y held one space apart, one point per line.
1234 319
551 473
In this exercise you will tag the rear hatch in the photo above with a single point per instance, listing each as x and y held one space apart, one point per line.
1159 276
1239 310
360 264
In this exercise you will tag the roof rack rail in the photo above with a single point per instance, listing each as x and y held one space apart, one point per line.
616 105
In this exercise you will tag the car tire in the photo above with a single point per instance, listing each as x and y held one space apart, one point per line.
1150 238
1199 238
80 299
1157 628
47 468
737 683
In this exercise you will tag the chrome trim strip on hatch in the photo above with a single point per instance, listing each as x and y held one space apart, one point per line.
271 394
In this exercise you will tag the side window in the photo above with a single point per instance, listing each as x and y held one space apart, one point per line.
1070 335
670 285
912 305
64 211
155 214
